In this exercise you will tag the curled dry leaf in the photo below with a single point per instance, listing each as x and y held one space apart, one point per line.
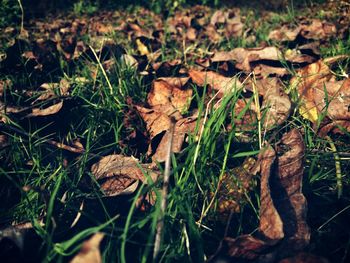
287 193
217 82
119 174
90 251
271 227
283 230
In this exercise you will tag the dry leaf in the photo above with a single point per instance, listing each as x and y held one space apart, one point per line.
314 30
334 98
169 97
287 193
271 227
217 82
46 111
313 74
317 29
283 229
245 57
156 122
182 127
320 94
119 174
90 251
277 105
285 33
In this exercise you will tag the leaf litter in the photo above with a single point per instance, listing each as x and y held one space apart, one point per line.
261 73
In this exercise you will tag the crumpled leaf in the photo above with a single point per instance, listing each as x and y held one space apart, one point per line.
287 192
217 82
118 174
283 230
90 251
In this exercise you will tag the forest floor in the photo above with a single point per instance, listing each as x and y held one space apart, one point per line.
247 110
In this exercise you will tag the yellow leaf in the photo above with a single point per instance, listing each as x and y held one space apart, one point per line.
309 113
142 48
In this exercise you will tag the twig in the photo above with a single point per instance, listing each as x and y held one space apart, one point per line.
337 166
258 110
341 154
164 196
50 142
22 16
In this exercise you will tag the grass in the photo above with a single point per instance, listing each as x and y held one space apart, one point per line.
50 187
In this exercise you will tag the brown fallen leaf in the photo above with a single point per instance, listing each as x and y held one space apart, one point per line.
212 33
284 33
314 29
120 175
217 82
90 251
182 128
53 109
283 230
321 95
313 74
264 71
51 90
287 193
249 247
170 97
334 98
246 57
317 29
277 105
156 122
